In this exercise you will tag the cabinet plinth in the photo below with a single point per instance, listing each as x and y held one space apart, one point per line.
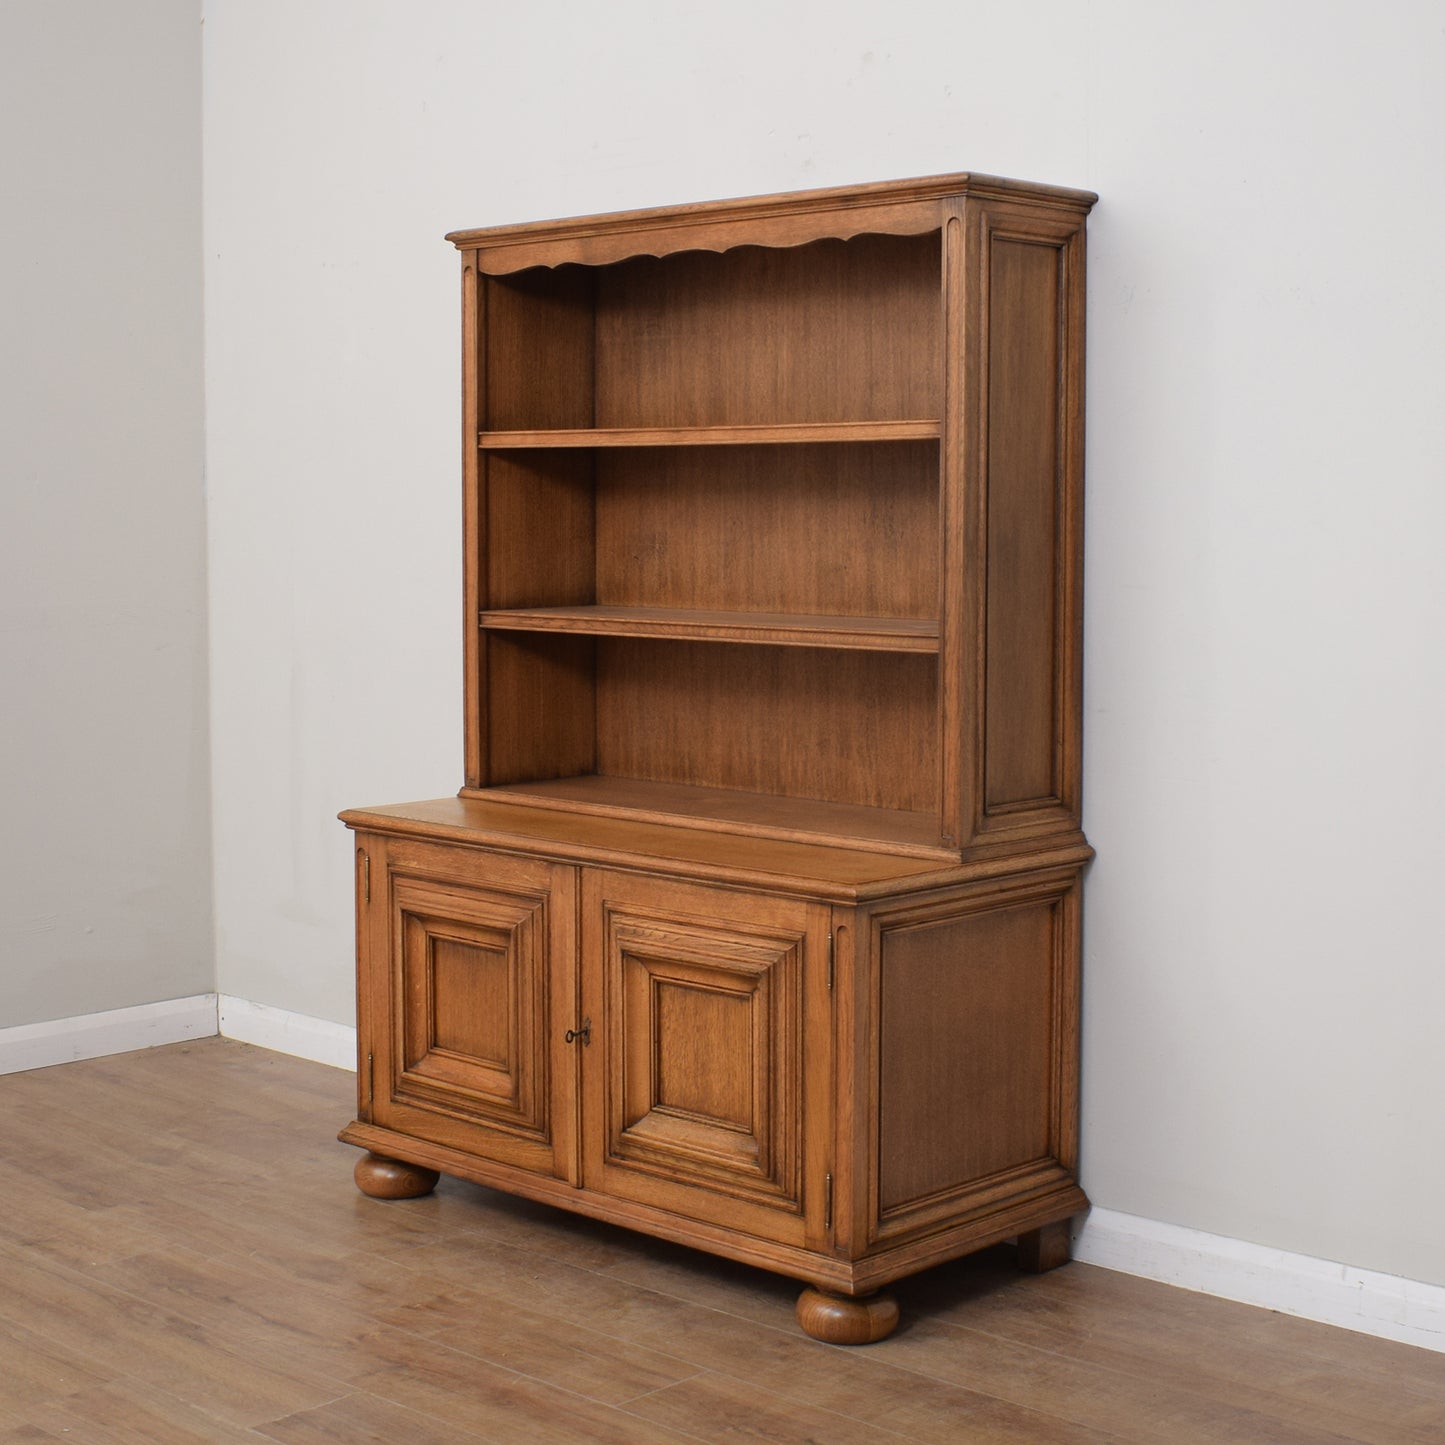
756 923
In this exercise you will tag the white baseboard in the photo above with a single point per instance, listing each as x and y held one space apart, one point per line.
1294 1284
285 1032
117 1031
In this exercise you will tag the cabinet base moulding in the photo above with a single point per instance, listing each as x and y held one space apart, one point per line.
829 1274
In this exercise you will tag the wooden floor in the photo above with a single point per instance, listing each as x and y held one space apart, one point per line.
183 1258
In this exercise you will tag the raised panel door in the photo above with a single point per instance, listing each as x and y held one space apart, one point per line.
471 973
708 1075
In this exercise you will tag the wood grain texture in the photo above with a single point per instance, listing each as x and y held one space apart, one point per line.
773 629
739 434
892 207
699 1073
964 1041
391 1179
468 980
539 546
474 578
540 706
971 1044
249 1291
815 529
805 723
838 1321
539 350
1021 708
832 331
1044 1249
595 820
1019 477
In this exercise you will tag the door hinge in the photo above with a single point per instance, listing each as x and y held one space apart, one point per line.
828 1202
370 1078
365 875
831 952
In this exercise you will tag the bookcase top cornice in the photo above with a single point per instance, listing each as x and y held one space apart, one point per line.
790 218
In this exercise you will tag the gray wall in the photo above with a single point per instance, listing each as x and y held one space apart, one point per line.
105 866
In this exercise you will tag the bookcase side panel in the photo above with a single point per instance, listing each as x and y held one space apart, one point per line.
1012 612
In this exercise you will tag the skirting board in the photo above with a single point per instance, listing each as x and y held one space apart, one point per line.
285 1032
117 1031
1294 1284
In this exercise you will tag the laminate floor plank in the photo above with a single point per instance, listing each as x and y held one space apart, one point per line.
116 1333
1106 1321
776 1356
183 1257
587 1362
717 1407
453 1385
129 1413
34 1369
327 1325
1132 1405
365 1420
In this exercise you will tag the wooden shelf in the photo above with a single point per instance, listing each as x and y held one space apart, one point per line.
726 810
778 629
714 436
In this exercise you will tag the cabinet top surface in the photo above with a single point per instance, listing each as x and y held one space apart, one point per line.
762 862
906 205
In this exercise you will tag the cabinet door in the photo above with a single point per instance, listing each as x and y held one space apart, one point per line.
467 976
709 1073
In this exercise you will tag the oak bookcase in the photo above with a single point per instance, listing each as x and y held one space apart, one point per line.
756 923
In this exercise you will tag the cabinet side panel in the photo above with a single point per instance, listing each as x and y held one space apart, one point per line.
965 1077
815 723
1023 417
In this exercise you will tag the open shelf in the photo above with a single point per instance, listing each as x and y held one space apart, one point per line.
713 436
778 629
728 810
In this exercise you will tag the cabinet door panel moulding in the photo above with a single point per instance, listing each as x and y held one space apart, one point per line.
755 923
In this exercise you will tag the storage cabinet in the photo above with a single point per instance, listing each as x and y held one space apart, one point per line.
755 922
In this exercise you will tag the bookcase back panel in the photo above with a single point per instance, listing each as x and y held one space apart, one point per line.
834 726
539 708
539 543
831 331
811 529
537 349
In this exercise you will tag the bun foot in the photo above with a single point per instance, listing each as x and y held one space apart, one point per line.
391 1179
840 1320
1045 1248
